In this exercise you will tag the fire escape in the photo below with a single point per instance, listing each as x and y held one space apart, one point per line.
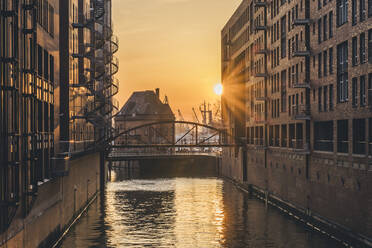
98 80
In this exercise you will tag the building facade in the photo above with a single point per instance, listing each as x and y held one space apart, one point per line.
142 108
297 79
56 103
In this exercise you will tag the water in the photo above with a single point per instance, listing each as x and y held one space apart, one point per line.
186 212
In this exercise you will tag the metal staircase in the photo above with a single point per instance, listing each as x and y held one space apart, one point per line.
98 80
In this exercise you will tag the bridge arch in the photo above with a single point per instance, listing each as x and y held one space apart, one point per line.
223 134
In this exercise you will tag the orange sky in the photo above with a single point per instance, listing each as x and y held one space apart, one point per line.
173 45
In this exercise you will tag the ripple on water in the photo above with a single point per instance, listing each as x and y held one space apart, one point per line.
186 213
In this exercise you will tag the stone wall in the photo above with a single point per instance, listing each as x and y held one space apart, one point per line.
58 202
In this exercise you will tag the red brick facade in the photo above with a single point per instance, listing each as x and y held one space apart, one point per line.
299 90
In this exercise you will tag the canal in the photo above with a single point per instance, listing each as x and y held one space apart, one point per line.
185 212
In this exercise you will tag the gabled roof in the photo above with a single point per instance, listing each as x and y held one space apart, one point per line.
145 104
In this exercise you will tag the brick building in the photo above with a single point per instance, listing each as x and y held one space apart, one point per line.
56 98
145 107
297 79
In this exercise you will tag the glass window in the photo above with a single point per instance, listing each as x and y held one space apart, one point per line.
354 51
331 60
362 7
354 92
362 48
342 6
370 46
359 136
343 136
331 24
354 12
363 90
342 72
323 136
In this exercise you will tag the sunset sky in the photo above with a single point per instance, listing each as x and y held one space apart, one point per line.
173 45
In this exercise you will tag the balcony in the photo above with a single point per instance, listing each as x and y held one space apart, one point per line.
301 112
301 50
299 146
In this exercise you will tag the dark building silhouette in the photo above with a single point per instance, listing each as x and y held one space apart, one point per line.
297 78
144 107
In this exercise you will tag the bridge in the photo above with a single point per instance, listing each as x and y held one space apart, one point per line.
115 157
196 140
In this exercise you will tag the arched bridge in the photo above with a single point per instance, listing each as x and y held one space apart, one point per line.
162 134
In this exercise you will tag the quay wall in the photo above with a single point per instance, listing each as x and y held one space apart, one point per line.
58 203
332 196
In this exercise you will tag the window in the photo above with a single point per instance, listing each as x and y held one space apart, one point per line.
283 37
354 92
359 136
331 24
331 60
325 23
354 12
343 136
369 8
370 46
319 4
39 60
362 48
46 64
284 135
342 72
370 89
323 136
362 8
319 65
319 31
341 12
331 97
363 90
51 68
320 99
325 95
51 20
370 136
354 51
325 60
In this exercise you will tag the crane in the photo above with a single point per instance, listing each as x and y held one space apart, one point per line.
196 116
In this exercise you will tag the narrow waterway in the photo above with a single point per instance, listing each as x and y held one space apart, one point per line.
186 212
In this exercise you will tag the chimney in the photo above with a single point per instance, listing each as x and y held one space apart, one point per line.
157 92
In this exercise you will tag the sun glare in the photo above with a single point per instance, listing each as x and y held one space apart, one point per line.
218 89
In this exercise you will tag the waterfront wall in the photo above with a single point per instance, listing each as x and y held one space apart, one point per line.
58 202
325 192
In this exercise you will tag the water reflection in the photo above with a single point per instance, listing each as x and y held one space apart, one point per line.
186 212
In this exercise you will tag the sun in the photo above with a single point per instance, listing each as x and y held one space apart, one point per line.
218 89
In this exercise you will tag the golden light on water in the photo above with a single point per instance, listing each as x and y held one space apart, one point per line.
218 89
